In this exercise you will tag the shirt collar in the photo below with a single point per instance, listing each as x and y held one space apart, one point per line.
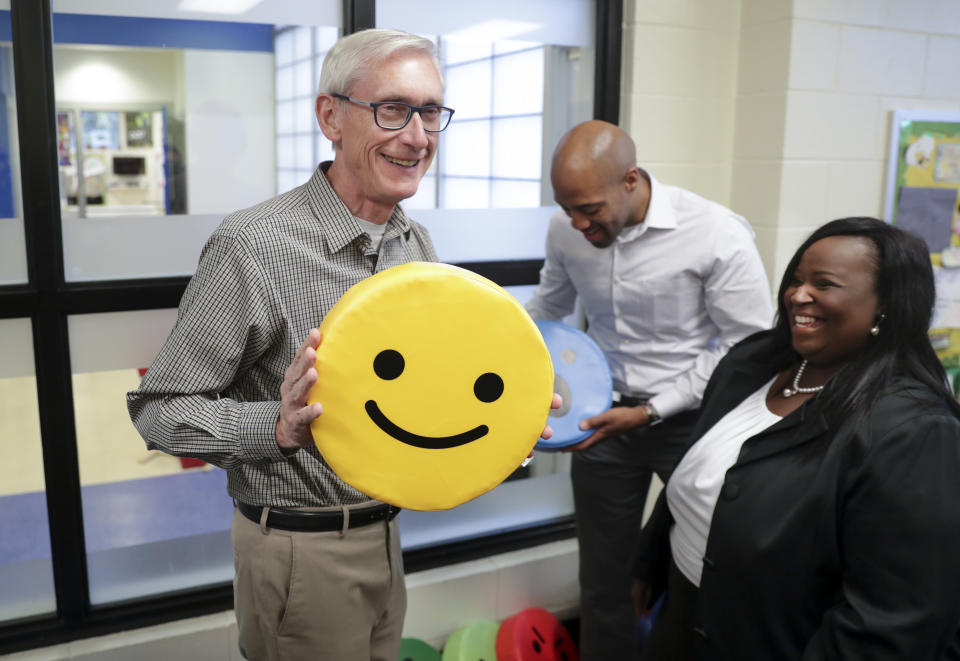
338 224
660 213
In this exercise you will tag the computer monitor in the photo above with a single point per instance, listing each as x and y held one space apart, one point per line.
129 165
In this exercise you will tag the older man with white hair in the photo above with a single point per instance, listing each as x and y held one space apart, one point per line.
318 564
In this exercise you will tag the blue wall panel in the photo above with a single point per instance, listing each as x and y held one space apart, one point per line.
154 32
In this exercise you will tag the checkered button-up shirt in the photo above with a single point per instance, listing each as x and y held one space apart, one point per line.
266 276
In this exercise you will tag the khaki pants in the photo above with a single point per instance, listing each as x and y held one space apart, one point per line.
318 595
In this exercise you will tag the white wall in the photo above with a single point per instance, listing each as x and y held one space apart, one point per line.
782 108
678 89
106 76
231 162
851 65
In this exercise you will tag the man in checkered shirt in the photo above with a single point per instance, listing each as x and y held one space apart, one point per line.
230 384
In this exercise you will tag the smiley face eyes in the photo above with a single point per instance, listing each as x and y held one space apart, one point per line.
389 364
488 387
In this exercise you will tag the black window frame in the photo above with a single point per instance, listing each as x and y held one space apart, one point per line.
47 299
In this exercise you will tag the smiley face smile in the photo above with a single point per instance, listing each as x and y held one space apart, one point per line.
389 365
426 442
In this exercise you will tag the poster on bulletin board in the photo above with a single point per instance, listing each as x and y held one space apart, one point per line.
139 129
923 196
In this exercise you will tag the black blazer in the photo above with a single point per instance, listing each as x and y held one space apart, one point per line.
827 541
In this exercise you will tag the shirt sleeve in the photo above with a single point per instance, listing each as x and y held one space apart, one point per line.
555 296
738 301
900 541
188 403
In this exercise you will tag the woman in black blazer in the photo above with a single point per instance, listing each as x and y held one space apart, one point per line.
818 514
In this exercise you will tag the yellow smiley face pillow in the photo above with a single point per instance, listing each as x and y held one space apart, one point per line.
435 385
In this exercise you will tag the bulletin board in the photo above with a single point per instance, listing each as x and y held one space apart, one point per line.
923 196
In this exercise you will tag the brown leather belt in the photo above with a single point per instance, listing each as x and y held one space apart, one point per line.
304 521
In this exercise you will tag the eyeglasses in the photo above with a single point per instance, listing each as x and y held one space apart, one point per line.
394 115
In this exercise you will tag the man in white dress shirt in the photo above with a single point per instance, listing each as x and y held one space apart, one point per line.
668 281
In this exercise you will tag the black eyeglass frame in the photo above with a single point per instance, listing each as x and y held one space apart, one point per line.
410 110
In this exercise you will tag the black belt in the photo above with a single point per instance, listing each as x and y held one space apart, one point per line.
626 400
304 521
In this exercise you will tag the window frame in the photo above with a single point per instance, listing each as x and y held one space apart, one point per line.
47 299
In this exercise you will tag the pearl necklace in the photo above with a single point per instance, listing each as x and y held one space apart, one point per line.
790 392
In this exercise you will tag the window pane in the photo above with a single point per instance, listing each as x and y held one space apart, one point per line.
460 50
284 82
512 92
426 196
302 176
306 83
467 149
304 114
515 193
284 48
285 117
468 90
13 259
325 37
186 542
26 573
305 152
512 45
304 45
285 152
174 121
472 235
466 193
311 147
505 59
286 179
517 145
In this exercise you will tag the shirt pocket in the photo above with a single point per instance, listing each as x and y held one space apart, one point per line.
675 304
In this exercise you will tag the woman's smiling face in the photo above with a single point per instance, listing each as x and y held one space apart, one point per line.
831 299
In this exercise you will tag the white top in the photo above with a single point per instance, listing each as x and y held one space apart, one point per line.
694 486
666 300
374 230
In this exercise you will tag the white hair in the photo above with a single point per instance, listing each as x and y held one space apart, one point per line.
351 56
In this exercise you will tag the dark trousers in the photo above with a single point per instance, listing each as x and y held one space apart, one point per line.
672 633
610 483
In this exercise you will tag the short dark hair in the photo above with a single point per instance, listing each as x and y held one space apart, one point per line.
904 285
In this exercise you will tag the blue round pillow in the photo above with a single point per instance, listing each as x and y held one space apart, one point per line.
581 377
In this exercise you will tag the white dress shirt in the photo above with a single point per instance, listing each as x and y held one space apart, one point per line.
695 484
666 300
